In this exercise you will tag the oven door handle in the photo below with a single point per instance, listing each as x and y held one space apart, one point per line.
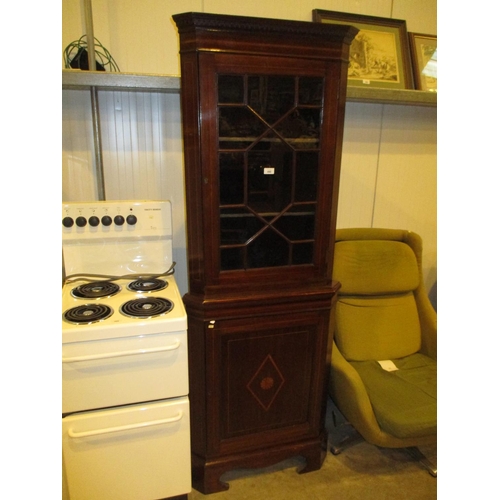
118 354
109 430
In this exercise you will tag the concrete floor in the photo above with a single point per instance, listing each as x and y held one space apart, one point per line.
361 471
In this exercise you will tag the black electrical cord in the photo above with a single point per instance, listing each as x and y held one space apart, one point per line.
99 277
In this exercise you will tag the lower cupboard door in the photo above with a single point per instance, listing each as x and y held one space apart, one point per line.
132 452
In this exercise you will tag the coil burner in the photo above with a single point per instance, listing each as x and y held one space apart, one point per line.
87 314
148 307
95 290
147 285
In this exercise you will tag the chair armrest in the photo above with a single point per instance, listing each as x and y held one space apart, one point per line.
428 323
426 313
349 394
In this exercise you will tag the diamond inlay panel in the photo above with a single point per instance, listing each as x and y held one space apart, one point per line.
266 383
266 368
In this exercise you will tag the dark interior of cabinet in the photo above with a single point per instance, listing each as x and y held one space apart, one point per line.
268 150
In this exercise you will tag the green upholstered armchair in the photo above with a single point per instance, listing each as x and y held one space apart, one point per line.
383 375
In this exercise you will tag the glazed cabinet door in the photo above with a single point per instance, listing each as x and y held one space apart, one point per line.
267 170
268 381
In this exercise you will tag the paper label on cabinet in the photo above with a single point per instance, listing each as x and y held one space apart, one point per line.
268 170
388 365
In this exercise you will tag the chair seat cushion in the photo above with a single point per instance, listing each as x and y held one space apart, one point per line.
405 400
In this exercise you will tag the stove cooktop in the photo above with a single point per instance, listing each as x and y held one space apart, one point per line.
120 308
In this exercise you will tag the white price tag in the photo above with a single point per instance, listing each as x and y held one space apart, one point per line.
268 170
388 365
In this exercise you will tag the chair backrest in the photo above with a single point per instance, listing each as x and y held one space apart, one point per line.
376 315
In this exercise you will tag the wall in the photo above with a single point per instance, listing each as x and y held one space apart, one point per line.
389 156
142 37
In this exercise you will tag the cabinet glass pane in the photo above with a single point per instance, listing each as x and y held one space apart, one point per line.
311 91
238 226
269 138
268 250
269 176
297 225
306 176
271 96
302 253
232 258
237 124
301 128
231 89
232 178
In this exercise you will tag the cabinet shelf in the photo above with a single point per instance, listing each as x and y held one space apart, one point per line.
265 214
298 140
77 79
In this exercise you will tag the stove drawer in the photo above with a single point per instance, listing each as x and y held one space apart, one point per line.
129 453
119 371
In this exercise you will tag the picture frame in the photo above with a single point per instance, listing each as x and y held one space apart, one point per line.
380 53
423 50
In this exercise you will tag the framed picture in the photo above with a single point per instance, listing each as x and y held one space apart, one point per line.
423 49
380 54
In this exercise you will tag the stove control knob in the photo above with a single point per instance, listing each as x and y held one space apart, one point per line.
81 221
119 220
94 221
106 220
131 220
68 222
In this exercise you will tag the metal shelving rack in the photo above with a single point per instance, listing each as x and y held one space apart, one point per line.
77 79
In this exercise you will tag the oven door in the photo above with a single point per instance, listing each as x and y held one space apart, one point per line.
132 452
119 371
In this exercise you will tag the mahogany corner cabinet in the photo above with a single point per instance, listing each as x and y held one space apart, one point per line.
263 111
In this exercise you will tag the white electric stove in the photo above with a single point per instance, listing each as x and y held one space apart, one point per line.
124 354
